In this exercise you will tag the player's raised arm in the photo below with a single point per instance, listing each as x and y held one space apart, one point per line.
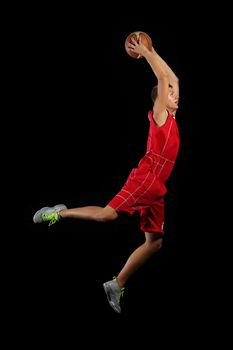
173 79
167 89
162 75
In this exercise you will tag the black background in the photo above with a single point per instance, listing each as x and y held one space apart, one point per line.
85 126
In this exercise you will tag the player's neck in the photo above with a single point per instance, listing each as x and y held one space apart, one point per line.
171 111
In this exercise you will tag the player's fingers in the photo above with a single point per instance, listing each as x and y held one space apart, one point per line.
134 41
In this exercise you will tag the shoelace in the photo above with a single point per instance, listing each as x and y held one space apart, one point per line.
122 292
122 289
52 218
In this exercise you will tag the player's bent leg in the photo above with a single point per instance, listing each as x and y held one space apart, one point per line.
93 213
106 214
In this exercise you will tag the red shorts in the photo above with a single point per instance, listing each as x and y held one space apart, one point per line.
142 192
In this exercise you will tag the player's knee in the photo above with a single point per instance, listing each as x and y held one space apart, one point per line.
106 214
158 244
154 245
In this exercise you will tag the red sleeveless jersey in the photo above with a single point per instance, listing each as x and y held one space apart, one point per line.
162 147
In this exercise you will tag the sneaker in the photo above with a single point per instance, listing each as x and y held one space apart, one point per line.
50 214
114 293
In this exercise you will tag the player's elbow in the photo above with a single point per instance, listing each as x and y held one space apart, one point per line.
174 81
163 77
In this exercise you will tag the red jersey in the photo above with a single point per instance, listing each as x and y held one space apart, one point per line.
162 147
145 187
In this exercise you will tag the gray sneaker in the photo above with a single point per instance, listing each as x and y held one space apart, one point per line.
114 293
46 213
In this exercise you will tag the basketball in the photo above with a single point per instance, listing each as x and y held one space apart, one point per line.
146 40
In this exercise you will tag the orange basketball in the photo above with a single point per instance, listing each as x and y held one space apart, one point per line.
146 40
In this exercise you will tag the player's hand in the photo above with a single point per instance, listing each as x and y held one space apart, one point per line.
138 47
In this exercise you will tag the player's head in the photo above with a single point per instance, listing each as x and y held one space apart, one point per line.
172 101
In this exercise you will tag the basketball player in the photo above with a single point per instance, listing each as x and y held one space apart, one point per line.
145 187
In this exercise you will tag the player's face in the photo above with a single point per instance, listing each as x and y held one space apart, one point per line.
173 99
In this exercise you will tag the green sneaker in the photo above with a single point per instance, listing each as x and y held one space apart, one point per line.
114 293
51 217
50 214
